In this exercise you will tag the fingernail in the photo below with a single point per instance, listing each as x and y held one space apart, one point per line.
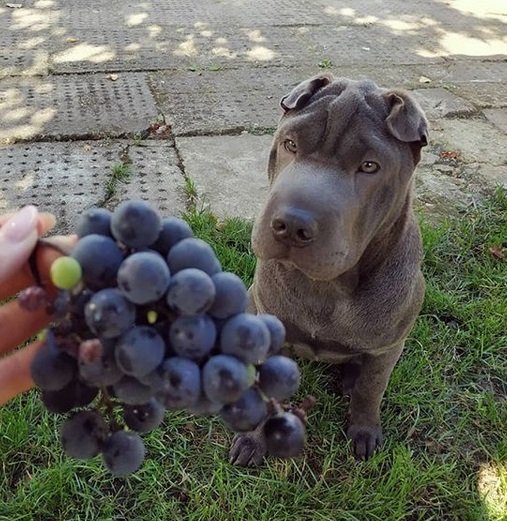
19 227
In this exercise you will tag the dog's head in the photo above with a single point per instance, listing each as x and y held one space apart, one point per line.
340 172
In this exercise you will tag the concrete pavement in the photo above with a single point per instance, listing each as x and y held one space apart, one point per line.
81 84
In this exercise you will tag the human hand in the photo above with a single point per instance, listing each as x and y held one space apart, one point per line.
19 234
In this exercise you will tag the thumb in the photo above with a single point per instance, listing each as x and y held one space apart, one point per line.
18 237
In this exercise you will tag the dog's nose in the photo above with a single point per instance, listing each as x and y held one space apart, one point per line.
294 227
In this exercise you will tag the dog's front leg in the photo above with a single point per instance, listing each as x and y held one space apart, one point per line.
365 430
249 449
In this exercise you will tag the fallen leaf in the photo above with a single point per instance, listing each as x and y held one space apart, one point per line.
424 79
14 6
113 77
497 252
449 154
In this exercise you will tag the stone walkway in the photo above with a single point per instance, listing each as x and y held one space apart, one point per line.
188 90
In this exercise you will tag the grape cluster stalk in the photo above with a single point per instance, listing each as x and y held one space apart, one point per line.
147 321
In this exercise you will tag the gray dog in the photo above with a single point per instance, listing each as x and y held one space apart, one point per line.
338 247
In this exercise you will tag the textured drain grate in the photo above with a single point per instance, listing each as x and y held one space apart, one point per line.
68 178
74 106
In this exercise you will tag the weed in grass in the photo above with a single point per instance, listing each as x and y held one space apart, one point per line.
191 194
325 63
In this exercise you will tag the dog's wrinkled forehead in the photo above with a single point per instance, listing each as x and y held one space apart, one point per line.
341 96
395 110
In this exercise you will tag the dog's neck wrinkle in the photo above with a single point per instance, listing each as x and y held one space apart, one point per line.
385 243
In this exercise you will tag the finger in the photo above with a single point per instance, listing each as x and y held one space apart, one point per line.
15 372
45 257
18 325
46 221
18 236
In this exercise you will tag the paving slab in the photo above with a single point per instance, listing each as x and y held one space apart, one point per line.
74 105
155 177
67 178
364 45
95 13
498 117
493 174
438 102
229 172
466 71
144 48
435 190
480 19
484 94
15 62
476 140
224 101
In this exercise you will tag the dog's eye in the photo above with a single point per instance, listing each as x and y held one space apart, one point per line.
369 167
290 146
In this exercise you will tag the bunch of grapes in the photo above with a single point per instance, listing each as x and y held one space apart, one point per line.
146 320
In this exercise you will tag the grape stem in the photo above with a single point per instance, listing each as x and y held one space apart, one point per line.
107 404
302 410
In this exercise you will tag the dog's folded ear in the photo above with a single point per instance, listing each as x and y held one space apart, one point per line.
406 120
300 95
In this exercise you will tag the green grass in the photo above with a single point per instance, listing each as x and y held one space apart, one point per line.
119 174
444 414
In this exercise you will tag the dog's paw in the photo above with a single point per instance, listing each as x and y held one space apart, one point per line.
248 450
365 439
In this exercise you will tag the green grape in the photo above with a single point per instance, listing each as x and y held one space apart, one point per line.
152 316
65 272
251 374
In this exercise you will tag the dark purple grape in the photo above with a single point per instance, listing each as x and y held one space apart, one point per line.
246 413
51 368
139 351
97 363
173 231
95 221
181 385
32 298
279 377
132 391
190 292
193 253
78 302
193 337
245 336
75 394
145 417
99 257
123 453
224 379
276 331
136 224
143 277
231 296
109 314
205 407
285 435
82 434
